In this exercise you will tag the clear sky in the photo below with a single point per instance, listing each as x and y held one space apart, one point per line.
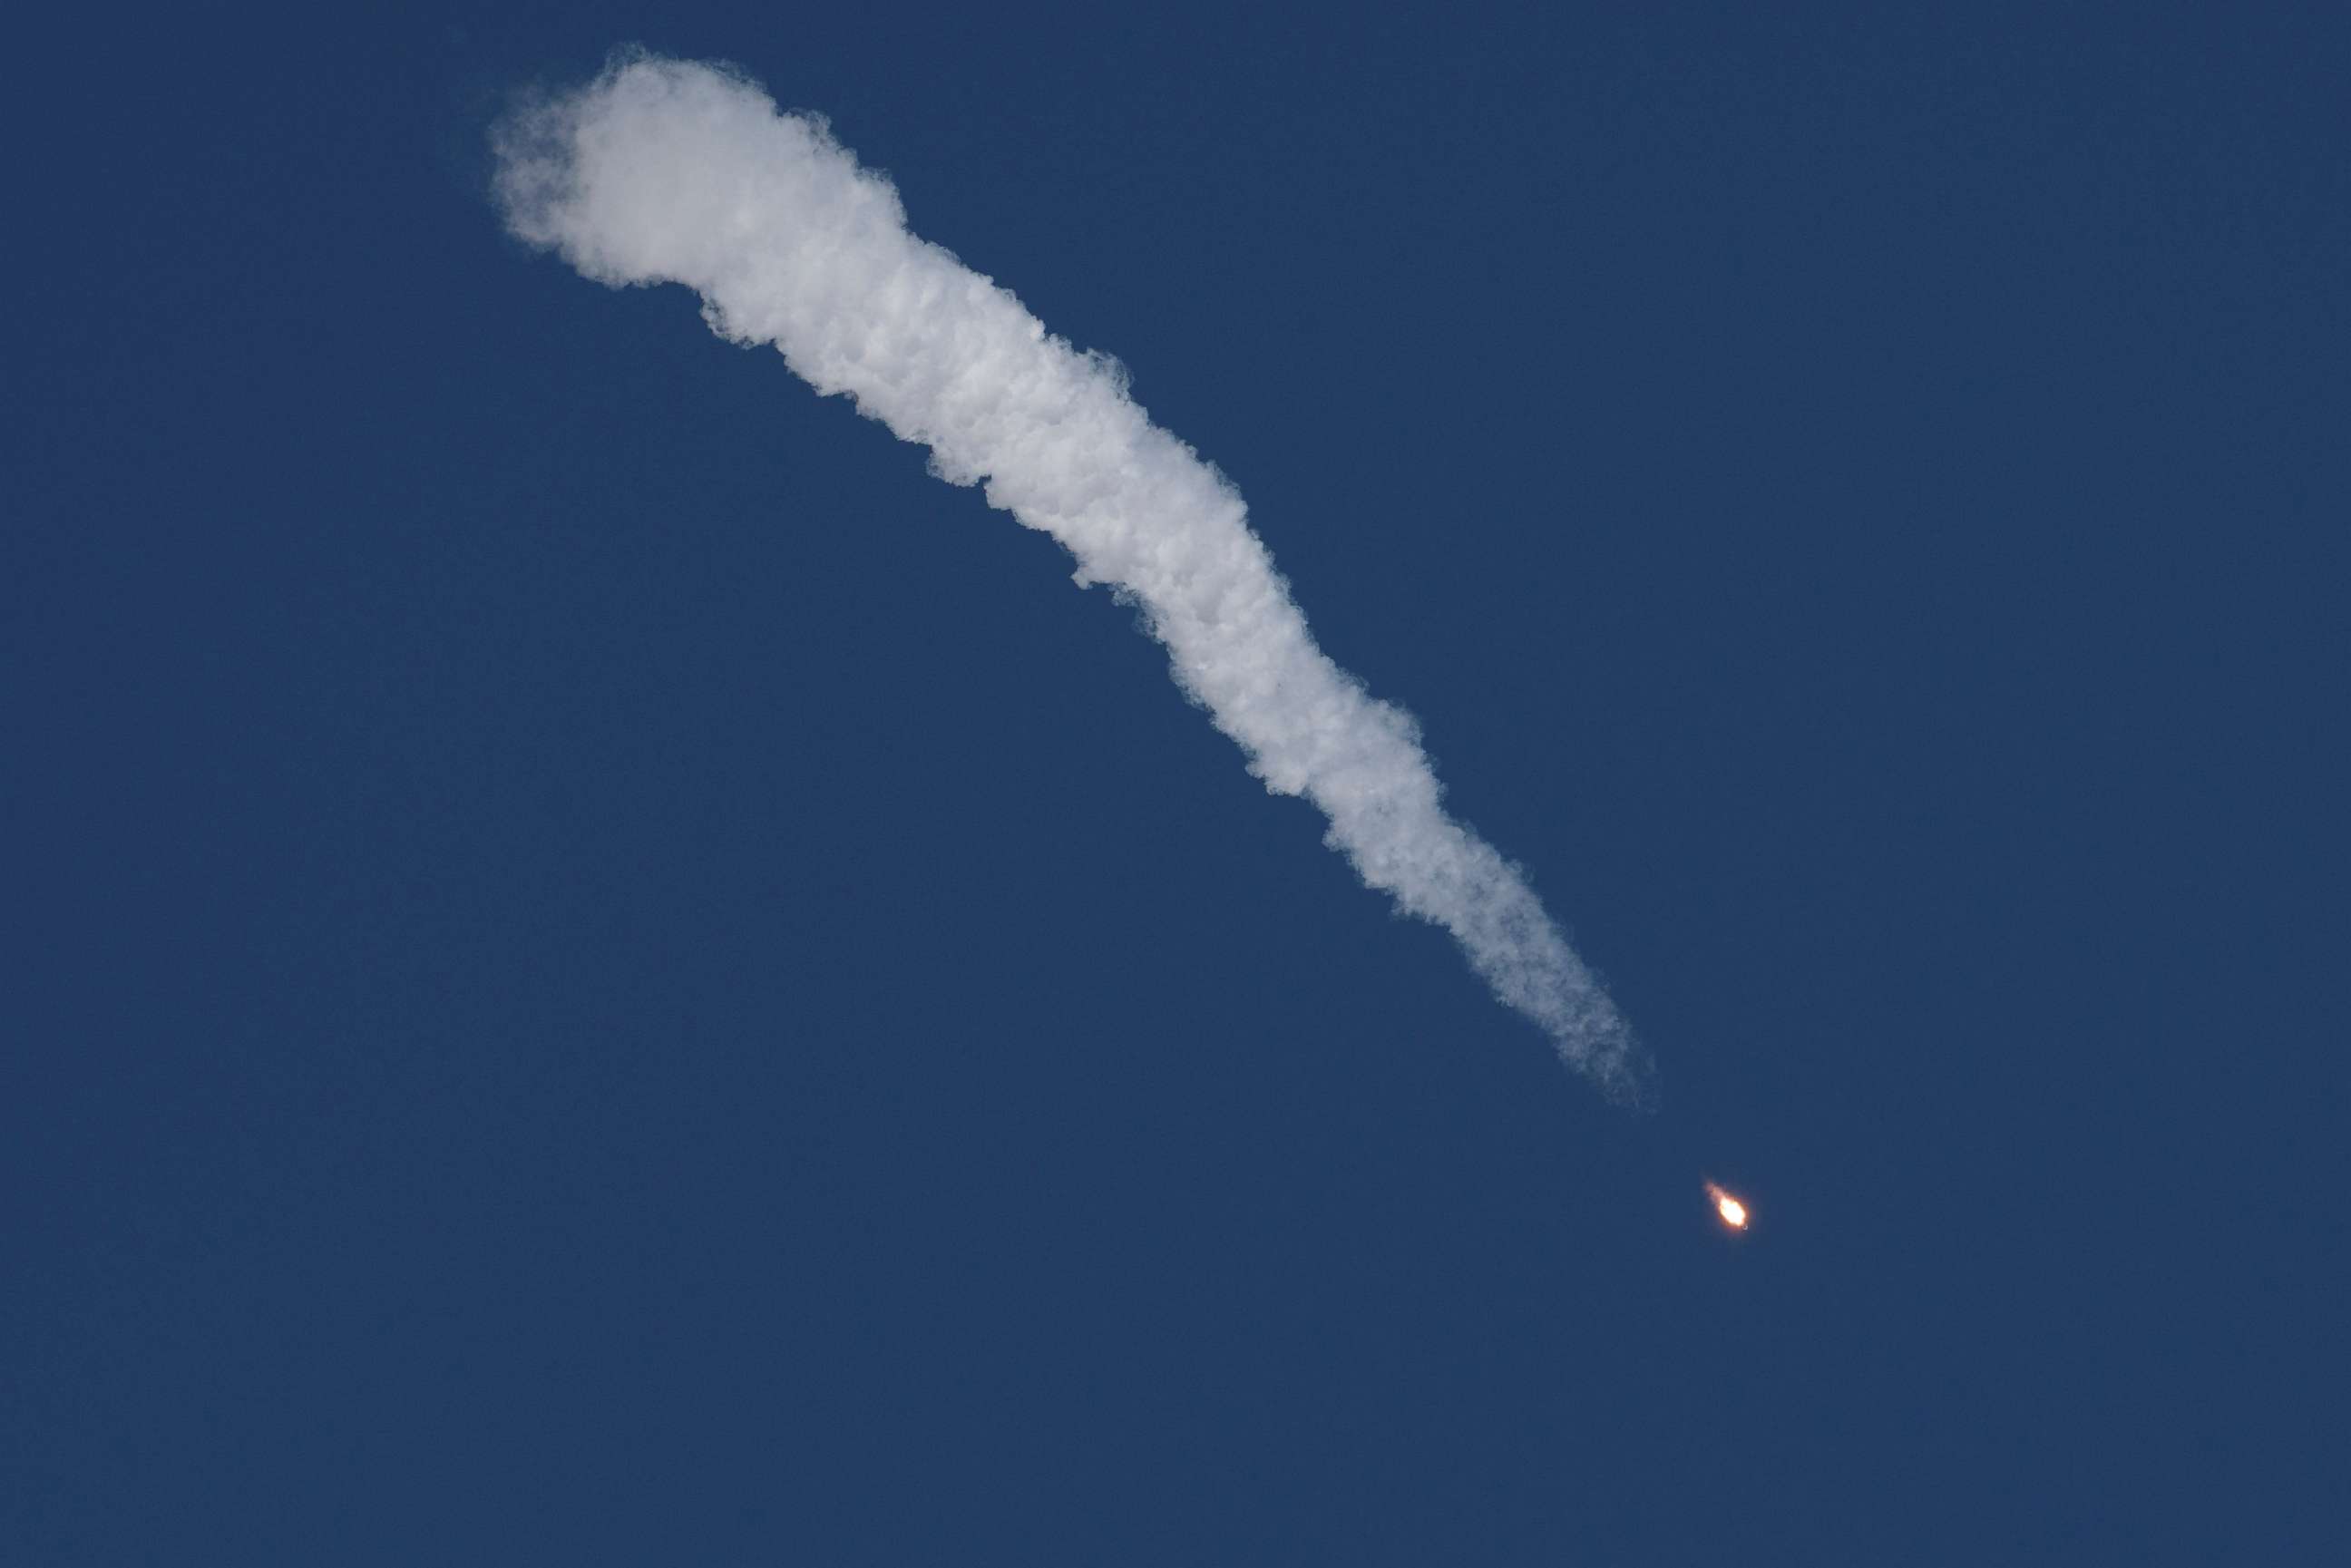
601 970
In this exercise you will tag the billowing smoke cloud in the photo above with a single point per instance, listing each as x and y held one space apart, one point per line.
667 171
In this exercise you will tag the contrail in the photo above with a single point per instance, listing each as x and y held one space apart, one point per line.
672 172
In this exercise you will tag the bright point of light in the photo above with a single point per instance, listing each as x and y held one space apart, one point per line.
1733 1212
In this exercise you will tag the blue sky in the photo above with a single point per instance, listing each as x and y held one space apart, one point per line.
607 971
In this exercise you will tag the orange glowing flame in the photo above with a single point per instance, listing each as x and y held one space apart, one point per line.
1733 1212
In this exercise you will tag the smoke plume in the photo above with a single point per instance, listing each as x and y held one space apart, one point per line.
668 171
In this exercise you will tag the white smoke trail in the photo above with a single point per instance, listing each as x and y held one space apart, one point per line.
664 170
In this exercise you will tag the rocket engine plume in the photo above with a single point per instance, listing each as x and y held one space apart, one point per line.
664 170
1733 1212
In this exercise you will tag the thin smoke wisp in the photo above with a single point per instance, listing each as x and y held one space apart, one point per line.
670 171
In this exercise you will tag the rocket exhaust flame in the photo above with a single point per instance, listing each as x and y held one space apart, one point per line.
1733 1212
